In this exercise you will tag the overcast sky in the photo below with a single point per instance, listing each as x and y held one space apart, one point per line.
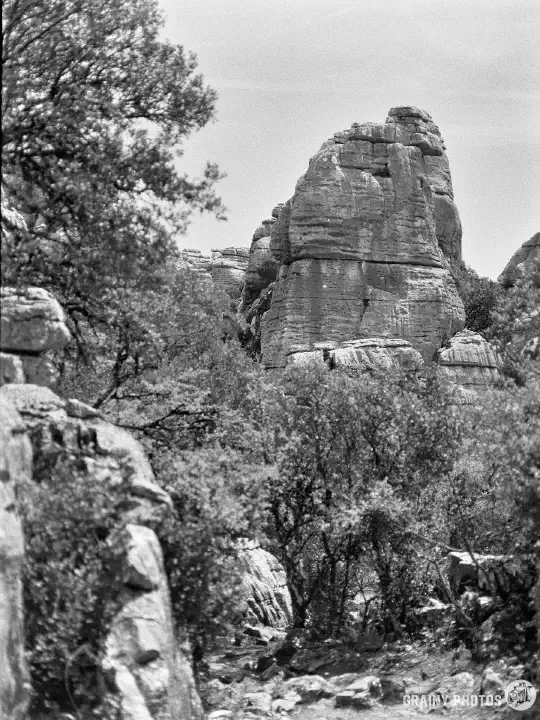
291 73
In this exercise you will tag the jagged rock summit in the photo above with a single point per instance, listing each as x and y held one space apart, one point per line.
363 245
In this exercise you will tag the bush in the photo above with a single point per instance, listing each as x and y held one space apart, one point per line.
217 499
71 581
356 461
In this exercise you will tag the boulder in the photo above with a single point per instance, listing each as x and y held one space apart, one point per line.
266 596
363 247
478 571
363 693
365 355
469 361
311 688
15 468
32 323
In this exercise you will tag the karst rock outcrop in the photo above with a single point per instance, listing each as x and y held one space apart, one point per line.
152 676
266 595
363 245
470 362
225 267
32 323
521 263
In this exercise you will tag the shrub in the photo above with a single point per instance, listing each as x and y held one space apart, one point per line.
71 583
217 499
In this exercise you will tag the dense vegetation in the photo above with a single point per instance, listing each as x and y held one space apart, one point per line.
359 485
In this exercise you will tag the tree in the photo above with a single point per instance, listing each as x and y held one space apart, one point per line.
355 461
516 325
72 581
95 110
479 296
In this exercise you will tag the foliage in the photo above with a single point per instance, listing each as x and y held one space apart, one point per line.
217 500
71 582
95 109
492 506
355 461
516 325
479 296
158 367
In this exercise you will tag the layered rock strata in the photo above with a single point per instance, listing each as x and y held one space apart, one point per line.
469 360
152 676
361 246
367 355
522 262
225 267
32 323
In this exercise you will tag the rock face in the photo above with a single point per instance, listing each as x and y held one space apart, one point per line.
368 355
15 467
151 675
469 361
521 262
262 266
267 597
362 244
229 269
225 267
32 322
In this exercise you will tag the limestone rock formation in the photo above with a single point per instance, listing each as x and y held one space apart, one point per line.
361 245
521 262
267 597
151 675
369 354
469 361
32 322
228 269
225 267
15 467
262 266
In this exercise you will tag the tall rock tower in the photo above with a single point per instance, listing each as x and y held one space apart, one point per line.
363 244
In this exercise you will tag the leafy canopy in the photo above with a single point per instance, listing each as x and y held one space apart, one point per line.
95 109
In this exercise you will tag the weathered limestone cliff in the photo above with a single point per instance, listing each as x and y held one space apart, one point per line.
362 244
152 676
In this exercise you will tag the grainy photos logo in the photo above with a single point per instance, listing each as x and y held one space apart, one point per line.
519 695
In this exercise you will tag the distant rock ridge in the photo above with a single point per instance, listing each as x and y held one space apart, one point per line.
364 243
226 267
522 261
